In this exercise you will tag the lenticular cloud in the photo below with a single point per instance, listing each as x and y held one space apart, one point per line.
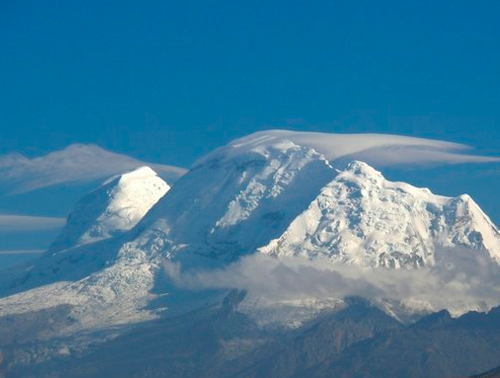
76 163
380 150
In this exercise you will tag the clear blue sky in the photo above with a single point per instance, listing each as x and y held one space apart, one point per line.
167 81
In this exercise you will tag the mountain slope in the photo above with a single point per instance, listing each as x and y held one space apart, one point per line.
357 341
433 348
495 373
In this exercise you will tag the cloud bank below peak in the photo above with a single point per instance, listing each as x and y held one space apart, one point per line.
468 281
76 163
380 150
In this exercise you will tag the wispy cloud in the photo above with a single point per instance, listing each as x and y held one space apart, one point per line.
76 163
19 223
380 150
22 252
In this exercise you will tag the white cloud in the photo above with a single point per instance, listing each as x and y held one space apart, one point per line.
460 281
380 150
76 163
84 163
17 223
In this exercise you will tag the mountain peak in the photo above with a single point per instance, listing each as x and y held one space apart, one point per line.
143 172
363 219
362 169
117 206
247 195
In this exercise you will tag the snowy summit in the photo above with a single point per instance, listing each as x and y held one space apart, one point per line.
117 206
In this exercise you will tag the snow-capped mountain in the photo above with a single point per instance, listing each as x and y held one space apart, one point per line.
265 195
260 194
361 218
117 206
271 196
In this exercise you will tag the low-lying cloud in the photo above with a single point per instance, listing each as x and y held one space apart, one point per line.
76 163
461 280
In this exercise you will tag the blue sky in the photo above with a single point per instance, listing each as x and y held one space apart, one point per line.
168 81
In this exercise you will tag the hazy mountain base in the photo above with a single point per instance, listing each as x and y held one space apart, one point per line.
356 341
495 373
